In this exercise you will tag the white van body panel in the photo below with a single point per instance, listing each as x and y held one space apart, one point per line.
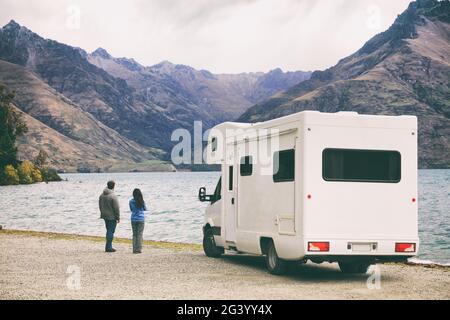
356 218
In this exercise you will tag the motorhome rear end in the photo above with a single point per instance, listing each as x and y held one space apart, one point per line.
334 187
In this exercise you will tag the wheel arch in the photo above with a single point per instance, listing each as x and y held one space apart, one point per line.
206 227
264 244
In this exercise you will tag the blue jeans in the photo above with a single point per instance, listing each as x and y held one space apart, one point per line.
110 229
138 230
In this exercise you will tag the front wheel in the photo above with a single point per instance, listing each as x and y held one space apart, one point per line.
354 267
209 245
273 263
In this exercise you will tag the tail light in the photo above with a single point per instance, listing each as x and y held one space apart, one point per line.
405 247
318 246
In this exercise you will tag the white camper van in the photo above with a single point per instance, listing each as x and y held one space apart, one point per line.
337 187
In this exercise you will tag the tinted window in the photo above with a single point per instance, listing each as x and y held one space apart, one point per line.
284 165
361 165
246 167
217 192
230 178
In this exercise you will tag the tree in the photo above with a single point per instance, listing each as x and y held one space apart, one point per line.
25 170
11 127
36 175
10 175
41 159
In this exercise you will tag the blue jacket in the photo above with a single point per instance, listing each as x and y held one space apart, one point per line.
137 214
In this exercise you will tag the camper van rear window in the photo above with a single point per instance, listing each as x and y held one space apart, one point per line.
284 166
246 167
361 165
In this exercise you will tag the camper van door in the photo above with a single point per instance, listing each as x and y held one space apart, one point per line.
230 197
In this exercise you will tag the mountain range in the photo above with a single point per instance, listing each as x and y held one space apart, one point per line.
404 70
92 111
115 110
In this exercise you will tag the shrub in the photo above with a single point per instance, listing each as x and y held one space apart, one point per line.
50 175
36 175
25 170
10 175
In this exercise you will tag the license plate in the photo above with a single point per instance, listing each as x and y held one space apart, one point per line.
361 247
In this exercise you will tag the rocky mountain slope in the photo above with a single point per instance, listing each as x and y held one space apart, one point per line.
223 96
110 100
73 138
143 104
404 70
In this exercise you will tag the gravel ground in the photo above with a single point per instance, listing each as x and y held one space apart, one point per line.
36 266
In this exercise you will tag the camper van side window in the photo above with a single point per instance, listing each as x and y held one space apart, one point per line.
284 166
213 144
361 165
246 166
217 192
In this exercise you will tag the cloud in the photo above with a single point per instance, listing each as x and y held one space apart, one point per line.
218 35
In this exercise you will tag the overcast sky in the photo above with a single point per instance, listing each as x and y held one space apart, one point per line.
222 36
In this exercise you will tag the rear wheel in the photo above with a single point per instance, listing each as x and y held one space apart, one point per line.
273 263
354 267
209 245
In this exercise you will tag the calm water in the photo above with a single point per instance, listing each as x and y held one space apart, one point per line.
176 214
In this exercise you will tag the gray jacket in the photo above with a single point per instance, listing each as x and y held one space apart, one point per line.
109 205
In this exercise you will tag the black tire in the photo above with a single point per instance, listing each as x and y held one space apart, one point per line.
209 245
354 267
274 264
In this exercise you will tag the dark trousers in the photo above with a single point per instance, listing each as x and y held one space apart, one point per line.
138 230
110 229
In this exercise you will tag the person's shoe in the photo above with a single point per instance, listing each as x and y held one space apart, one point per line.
110 250
137 252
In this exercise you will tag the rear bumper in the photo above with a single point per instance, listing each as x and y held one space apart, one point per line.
351 258
357 249
296 248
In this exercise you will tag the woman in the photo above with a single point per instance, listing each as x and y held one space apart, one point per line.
138 208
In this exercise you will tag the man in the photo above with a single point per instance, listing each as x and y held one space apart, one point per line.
109 209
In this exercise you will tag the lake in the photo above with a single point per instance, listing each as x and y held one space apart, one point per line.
176 214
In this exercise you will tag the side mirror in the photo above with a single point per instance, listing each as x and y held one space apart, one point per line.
202 194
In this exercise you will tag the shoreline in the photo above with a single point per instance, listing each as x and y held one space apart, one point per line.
180 171
108 172
71 236
171 245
